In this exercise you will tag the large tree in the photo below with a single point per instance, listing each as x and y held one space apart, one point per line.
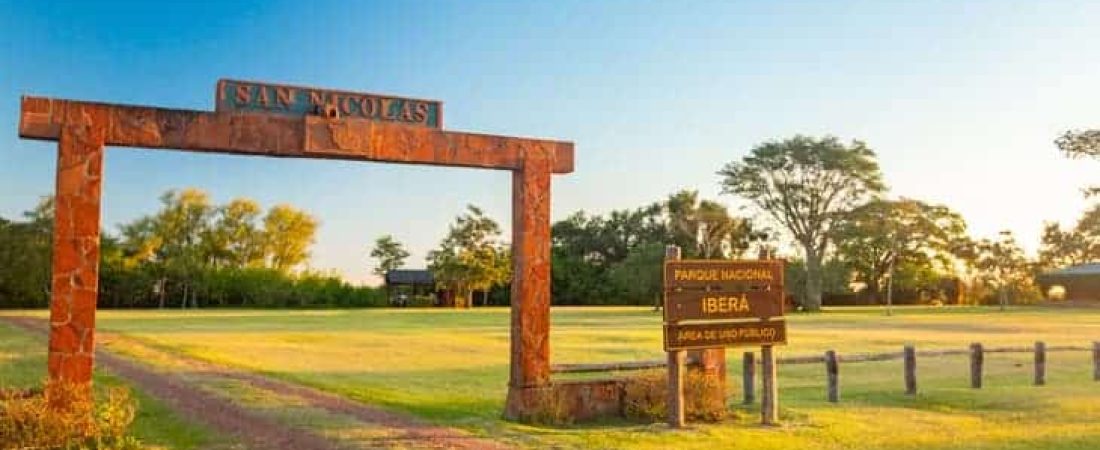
288 235
180 226
806 184
1077 245
1001 265
909 235
171 244
390 254
235 239
471 257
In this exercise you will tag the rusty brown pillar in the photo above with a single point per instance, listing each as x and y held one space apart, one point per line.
75 278
712 363
529 377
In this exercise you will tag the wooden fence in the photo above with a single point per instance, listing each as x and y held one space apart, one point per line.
909 354
832 361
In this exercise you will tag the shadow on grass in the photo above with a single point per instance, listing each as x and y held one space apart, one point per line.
22 358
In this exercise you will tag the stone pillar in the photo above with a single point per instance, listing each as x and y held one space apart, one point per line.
75 278
712 363
529 377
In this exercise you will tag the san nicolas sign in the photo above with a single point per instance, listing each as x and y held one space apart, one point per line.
246 96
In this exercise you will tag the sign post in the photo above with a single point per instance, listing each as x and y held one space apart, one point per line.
722 303
676 418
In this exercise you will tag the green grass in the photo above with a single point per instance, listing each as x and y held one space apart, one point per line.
450 367
23 365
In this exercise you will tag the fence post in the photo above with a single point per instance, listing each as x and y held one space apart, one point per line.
769 395
1096 361
1040 363
675 368
748 375
976 359
832 374
910 370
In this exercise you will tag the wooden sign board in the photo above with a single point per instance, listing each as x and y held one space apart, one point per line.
707 302
691 336
246 96
722 275
712 305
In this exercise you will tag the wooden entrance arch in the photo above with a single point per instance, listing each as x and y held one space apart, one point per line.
265 125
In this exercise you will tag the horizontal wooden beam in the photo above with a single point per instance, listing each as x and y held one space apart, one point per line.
615 366
887 356
292 137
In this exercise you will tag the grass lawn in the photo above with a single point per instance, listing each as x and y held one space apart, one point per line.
451 367
23 365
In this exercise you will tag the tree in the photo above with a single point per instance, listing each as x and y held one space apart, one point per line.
179 228
471 257
805 184
189 237
639 276
1081 144
390 253
25 252
704 228
1001 265
909 235
234 239
835 278
586 248
288 234
1078 245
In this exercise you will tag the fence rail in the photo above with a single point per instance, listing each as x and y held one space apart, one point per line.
805 359
909 354
832 363
624 366
833 360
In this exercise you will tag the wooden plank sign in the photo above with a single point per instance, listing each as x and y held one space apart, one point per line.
711 305
690 336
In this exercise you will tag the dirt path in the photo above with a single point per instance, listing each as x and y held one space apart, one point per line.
255 430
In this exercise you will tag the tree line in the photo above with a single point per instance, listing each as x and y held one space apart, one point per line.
190 253
824 198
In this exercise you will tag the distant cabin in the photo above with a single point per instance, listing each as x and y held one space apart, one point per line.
415 287
1080 283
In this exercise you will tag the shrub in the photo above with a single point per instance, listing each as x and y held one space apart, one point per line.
645 397
66 417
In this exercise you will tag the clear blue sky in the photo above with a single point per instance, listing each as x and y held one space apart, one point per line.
961 100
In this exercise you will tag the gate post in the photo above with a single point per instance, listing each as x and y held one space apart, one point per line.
74 282
529 374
